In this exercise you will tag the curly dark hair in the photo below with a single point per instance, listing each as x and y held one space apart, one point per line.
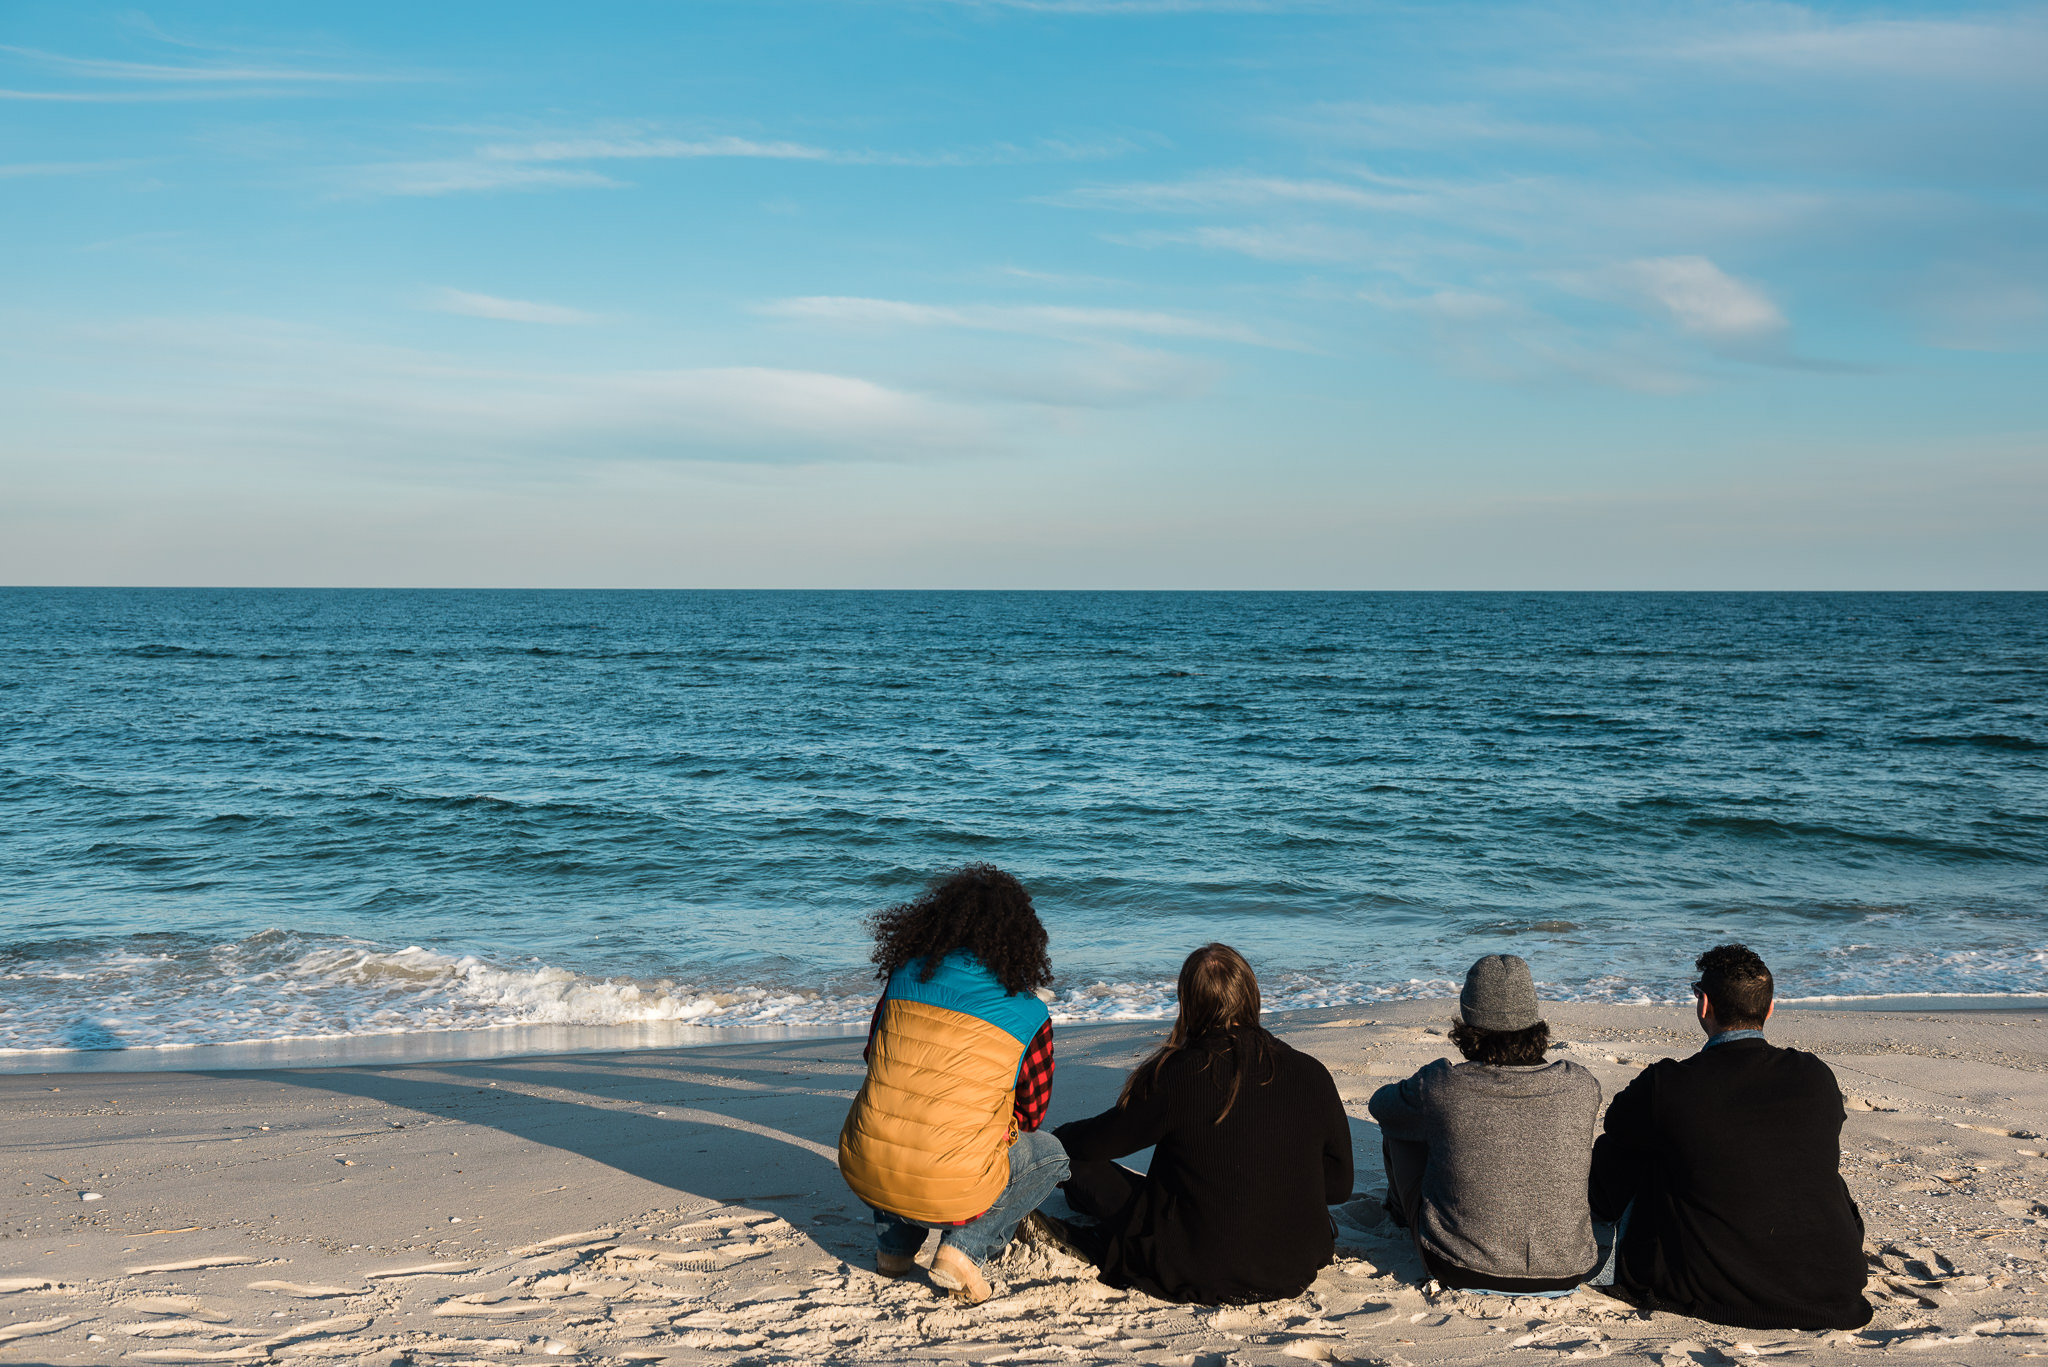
1502 1048
978 908
1737 986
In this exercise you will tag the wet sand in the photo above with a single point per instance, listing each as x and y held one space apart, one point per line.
683 1206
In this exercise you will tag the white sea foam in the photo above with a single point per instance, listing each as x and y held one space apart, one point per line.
281 985
271 987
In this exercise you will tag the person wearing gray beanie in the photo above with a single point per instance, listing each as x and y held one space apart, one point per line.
1487 1159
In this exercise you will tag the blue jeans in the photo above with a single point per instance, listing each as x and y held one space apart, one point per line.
1605 1276
1037 1165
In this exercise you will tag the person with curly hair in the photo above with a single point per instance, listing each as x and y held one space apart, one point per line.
1487 1159
945 1131
1724 1172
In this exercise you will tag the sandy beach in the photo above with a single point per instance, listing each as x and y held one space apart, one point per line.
683 1206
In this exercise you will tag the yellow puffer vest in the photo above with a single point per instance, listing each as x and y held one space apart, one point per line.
928 1138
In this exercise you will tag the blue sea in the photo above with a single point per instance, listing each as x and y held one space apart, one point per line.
239 815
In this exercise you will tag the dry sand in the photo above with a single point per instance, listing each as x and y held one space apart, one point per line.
682 1206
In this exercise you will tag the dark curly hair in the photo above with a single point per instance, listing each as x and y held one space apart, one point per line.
978 908
1736 985
1502 1048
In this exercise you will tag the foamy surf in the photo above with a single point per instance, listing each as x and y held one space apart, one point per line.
284 998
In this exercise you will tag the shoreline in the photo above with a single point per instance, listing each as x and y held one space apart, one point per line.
682 1206
402 1047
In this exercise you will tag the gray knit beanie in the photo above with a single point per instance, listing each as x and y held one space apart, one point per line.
1499 995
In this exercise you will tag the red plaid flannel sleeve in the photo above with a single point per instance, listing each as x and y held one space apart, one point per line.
1034 1080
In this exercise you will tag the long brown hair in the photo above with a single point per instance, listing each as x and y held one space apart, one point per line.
1219 1013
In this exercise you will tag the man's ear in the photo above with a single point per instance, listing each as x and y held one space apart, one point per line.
1770 1010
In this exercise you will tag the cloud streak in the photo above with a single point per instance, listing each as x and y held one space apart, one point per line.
1026 319
552 162
101 68
1704 300
127 82
425 179
1924 49
1242 191
61 168
259 386
490 306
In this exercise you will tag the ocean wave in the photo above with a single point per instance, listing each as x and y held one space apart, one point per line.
1770 828
283 985
171 991
1986 740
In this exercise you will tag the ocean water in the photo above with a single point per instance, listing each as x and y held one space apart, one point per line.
238 815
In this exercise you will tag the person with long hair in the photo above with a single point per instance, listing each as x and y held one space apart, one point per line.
1250 1146
944 1133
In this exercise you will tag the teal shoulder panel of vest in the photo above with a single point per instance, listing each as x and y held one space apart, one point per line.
963 984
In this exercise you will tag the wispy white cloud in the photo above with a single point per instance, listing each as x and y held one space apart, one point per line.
549 162
1374 124
61 168
428 178
181 96
1293 242
1054 279
1704 300
1102 376
236 76
640 149
210 73
259 384
1797 38
1030 319
507 310
1504 340
1241 191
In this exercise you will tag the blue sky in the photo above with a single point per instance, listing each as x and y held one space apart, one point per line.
1091 294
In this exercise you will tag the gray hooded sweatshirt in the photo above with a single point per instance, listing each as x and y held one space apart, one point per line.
1504 1191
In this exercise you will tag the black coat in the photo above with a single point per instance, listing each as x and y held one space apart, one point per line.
1733 1159
1232 1211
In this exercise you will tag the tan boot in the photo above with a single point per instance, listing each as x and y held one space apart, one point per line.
893 1265
956 1272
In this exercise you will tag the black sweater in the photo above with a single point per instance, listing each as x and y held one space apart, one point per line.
1236 1211
1733 1160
